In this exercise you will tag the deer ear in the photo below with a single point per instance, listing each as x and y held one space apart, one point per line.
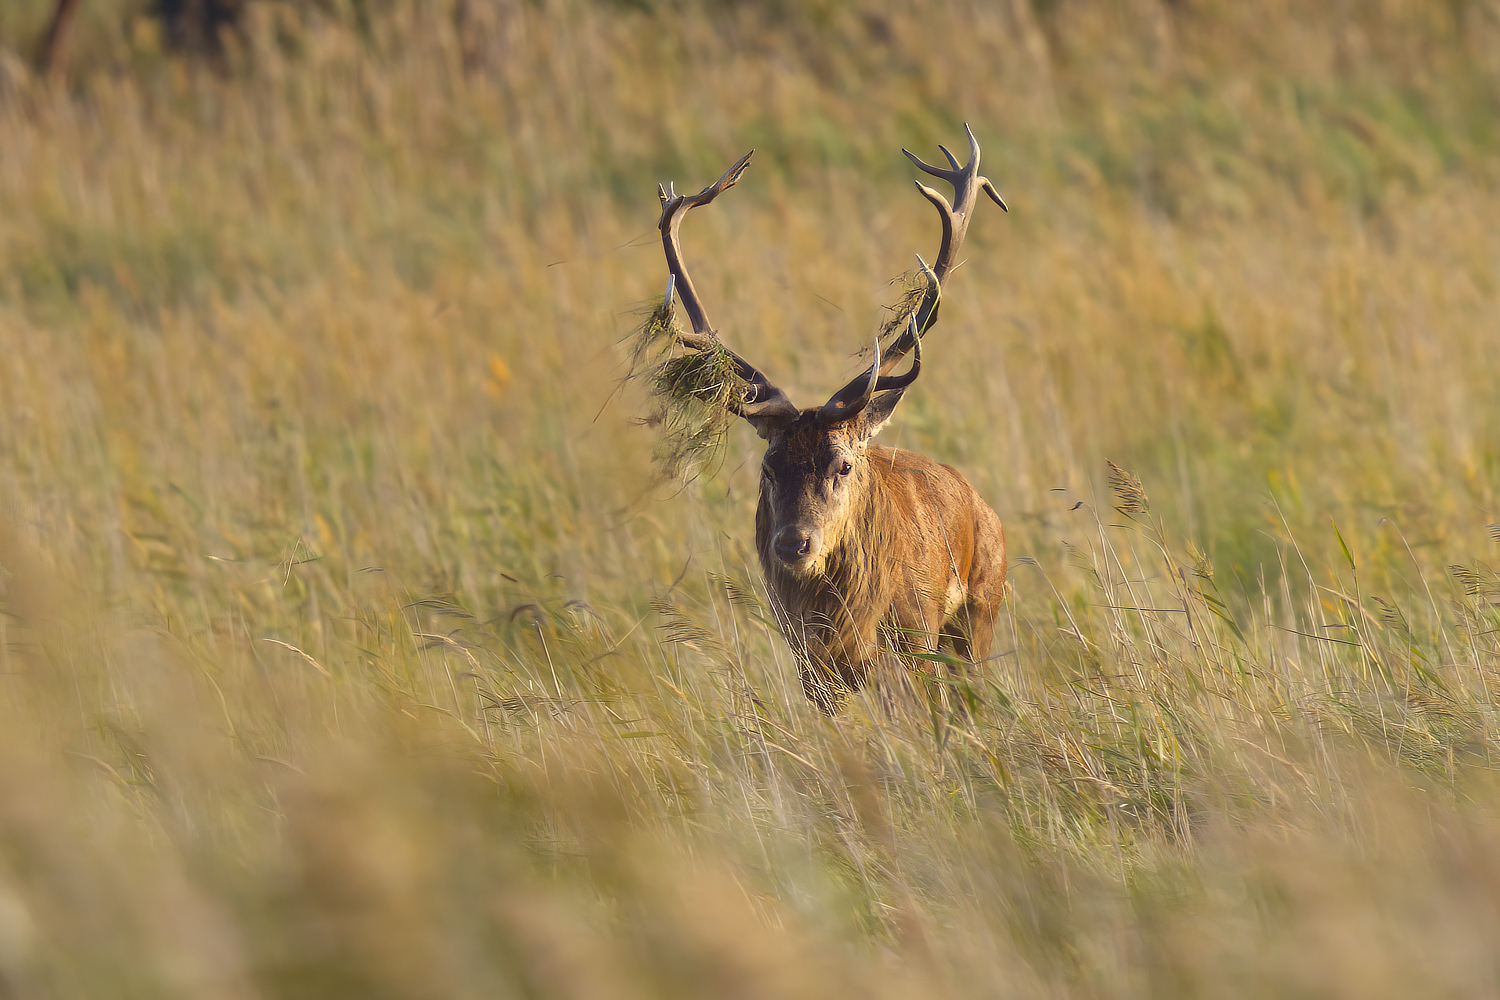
878 413
769 424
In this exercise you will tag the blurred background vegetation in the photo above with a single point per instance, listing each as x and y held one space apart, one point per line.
349 645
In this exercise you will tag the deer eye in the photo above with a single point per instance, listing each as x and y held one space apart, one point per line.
846 468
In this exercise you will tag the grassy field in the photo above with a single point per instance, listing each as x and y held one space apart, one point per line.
350 645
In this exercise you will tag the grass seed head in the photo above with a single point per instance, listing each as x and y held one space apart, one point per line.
1128 491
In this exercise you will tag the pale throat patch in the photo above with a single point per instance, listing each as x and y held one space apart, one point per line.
954 599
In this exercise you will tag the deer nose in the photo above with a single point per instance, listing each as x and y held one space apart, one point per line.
793 545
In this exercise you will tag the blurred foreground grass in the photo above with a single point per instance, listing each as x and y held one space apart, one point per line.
348 649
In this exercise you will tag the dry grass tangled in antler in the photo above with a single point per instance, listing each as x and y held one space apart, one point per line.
914 286
691 391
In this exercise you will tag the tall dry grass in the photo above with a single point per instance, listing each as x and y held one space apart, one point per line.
349 647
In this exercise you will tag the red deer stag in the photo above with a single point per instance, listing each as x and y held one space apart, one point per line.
868 552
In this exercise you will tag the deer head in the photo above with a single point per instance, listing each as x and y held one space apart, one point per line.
815 474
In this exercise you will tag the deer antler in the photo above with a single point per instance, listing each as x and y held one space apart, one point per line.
967 183
761 397
855 396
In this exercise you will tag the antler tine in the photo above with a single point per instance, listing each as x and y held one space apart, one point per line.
967 183
673 208
855 396
902 381
762 397
989 189
950 223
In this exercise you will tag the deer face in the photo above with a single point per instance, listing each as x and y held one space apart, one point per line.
812 481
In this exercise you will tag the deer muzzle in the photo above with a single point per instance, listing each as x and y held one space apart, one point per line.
795 546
